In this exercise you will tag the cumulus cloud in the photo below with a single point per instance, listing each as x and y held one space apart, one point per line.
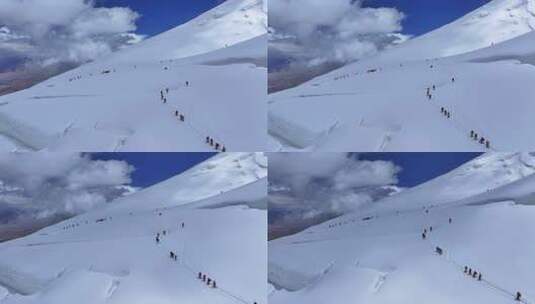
319 31
50 31
44 184
308 186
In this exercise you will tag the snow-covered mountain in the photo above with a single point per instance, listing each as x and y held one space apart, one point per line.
214 68
494 22
486 173
214 217
381 103
231 22
378 255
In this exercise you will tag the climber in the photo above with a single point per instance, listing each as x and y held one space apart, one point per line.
472 133
479 277
465 269
182 224
214 284
430 228
176 113
442 110
207 139
216 146
469 271
439 250
199 276
475 136
211 141
182 118
423 236
171 255
223 149
209 281
449 114
164 232
487 144
164 100
453 79
166 90
204 278
474 274
175 257
482 140
157 240
518 296
449 220
187 83
434 88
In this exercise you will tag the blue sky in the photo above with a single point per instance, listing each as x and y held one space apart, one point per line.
426 15
152 168
161 15
421 167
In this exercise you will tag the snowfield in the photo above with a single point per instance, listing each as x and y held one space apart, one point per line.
167 93
378 255
111 255
382 103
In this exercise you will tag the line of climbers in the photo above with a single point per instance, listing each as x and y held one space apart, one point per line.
472 273
75 78
341 77
445 112
479 139
78 77
345 76
86 222
428 92
424 234
467 270
163 98
173 256
209 140
207 280
215 144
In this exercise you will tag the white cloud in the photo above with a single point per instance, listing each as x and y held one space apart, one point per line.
298 169
48 183
365 173
309 187
334 30
52 31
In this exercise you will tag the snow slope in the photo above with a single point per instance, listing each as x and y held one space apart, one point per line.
485 174
115 104
383 259
381 103
494 22
228 24
110 255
